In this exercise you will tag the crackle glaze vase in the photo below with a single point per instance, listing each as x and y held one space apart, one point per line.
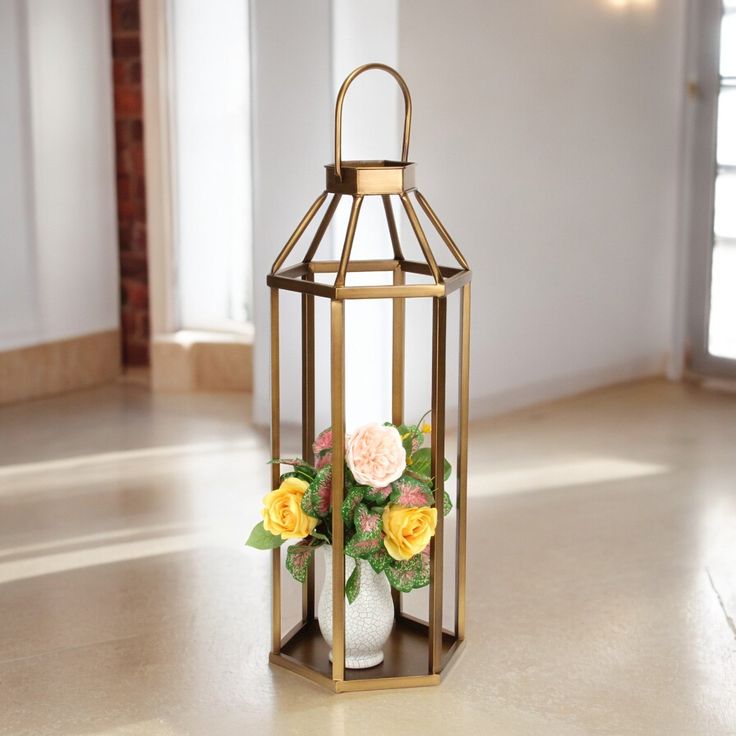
368 619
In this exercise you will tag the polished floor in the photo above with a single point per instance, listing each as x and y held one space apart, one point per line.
602 574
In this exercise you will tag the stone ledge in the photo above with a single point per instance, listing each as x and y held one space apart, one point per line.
202 361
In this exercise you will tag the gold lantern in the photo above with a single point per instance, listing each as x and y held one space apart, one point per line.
417 652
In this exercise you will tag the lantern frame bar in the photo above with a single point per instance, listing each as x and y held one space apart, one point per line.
461 466
275 469
308 431
439 347
398 352
337 396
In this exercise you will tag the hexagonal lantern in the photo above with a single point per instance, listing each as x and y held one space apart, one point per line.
417 652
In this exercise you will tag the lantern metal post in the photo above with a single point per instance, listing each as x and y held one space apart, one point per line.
337 357
461 468
418 652
308 424
275 471
439 336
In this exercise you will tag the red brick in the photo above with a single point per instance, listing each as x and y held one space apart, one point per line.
138 238
125 187
128 321
125 15
138 186
131 189
143 327
126 47
123 133
128 101
136 352
137 162
136 130
120 71
134 72
134 266
135 294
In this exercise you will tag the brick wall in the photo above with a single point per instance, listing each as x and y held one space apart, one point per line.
131 184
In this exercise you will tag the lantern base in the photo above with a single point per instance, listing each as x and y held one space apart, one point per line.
405 662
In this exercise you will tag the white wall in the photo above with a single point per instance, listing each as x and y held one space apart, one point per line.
366 31
58 241
547 138
291 83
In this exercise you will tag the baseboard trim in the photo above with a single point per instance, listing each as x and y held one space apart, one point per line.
542 392
59 366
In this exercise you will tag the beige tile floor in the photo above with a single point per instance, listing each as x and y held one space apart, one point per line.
602 574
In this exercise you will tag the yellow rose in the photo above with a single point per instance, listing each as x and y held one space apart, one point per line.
407 530
283 513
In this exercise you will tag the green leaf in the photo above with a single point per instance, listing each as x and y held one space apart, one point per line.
421 462
377 495
368 536
405 575
316 499
301 472
296 462
380 560
319 535
298 558
410 492
367 523
411 437
352 587
354 497
363 547
447 503
262 539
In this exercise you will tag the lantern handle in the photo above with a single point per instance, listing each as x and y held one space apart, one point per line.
341 98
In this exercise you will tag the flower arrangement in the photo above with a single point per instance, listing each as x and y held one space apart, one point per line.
389 508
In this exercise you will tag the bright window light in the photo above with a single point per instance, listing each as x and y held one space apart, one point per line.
212 164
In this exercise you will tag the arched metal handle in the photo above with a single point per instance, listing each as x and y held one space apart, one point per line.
341 98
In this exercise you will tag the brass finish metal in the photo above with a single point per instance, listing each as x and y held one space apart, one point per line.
349 236
417 652
422 238
398 346
275 472
392 231
341 99
371 177
404 665
461 467
337 392
439 333
300 228
449 242
322 229
308 423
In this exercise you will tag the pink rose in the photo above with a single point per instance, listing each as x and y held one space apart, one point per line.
375 455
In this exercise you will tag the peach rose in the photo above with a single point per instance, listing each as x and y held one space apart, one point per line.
375 455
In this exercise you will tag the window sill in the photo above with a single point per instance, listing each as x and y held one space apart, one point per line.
202 360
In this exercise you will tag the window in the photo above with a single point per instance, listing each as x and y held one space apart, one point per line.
210 108
722 321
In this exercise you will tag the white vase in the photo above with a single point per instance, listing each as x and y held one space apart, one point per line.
368 619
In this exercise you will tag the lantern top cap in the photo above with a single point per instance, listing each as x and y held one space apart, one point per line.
371 177
357 179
